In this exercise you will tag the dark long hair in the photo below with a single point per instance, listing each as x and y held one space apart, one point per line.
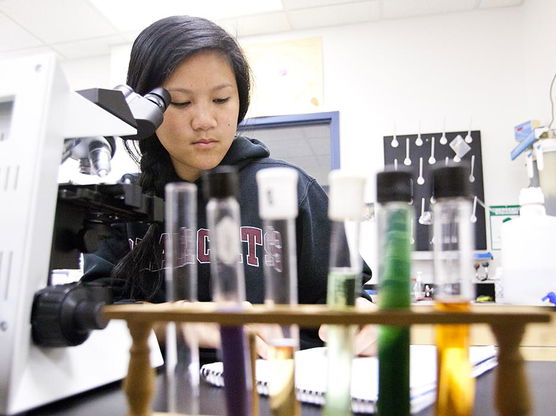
155 54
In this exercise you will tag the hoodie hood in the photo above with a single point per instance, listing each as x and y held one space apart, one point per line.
243 151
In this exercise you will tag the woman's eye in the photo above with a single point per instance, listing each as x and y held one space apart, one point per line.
221 100
180 104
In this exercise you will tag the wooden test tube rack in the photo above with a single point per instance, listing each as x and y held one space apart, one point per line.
508 326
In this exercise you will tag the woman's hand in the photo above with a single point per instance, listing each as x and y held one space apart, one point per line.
264 334
366 336
208 334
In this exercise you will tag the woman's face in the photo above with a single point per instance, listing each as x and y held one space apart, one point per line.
200 123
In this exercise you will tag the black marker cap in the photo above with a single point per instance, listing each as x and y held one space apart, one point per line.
394 185
451 181
221 182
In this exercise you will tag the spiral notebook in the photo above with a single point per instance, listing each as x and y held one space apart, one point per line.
310 367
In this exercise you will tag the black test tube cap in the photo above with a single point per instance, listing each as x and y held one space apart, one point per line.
451 181
394 185
221 182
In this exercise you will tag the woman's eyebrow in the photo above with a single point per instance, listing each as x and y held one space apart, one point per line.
188 91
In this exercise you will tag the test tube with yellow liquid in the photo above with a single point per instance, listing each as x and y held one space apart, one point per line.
344 284
278 208
453 238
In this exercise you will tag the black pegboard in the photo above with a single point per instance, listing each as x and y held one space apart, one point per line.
442 150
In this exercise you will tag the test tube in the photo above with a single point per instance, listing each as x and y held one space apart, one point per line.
182 353
345 211
221 188
278 210
453 274
395 222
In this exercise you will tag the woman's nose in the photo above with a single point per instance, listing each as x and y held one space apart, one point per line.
203 118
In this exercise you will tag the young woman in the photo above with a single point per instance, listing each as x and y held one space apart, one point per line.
208 79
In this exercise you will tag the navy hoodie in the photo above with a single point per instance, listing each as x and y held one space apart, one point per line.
312 237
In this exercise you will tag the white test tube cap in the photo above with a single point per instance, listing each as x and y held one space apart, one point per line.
347 191
277 193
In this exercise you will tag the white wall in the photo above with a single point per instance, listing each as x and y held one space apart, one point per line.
491 66
453 69
539 52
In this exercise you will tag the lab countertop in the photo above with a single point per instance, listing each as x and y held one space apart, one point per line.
110 400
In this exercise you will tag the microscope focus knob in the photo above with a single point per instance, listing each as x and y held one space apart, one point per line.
64 315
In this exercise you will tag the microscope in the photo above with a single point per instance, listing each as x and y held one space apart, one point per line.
64 315
49 348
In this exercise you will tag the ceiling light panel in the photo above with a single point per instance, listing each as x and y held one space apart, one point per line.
334 15
256 25
54 21
129 15
500 3
13 36
409 8
306 4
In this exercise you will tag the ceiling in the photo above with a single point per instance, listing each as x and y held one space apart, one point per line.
76 29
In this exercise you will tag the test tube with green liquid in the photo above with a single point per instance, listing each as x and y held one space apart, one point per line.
395 219
345 211
278 209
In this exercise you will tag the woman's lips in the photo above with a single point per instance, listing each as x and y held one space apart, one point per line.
205 143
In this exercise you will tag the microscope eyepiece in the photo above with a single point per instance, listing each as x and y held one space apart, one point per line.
125 89
160 97
147 110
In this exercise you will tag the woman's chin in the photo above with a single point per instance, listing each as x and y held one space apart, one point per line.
207 164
